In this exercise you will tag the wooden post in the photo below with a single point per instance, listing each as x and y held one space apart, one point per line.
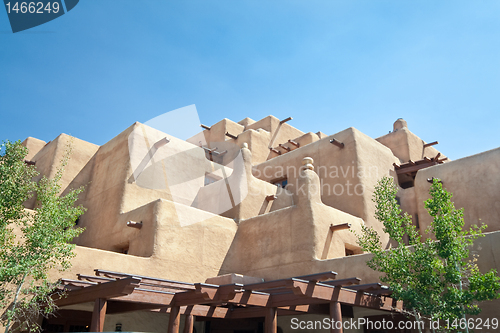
174 320
271 323
188 323
336 317
98 315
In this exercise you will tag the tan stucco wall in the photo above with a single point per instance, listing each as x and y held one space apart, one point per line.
474 183
48 160
185 236
34 145
348 175
253 200
113 198
407 146
259 135
283 243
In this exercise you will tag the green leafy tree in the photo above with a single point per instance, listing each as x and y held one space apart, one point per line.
437 280
32 242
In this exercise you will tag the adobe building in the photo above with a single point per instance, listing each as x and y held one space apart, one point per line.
247 203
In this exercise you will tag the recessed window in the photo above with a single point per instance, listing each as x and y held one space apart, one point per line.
351 250
211 178
280 182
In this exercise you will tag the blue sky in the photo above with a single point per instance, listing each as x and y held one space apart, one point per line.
328 64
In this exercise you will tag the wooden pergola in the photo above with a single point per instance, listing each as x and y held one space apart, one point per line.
114 292
408 171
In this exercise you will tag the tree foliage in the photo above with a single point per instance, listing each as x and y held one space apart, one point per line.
436 279
32 242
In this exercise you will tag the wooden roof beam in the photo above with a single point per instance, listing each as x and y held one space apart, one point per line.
133 224
76 283
285 147
201 295
103 290
368 287
283 283
275 151
296 144
205 127
231 136
343 282
271 197
95 279
146 279
319 276
322 293
285 120
337 143
415 168
430 144
338 227
158 298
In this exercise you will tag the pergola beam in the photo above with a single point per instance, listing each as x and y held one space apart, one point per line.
118 293
145 296
104 290
321 276
146 279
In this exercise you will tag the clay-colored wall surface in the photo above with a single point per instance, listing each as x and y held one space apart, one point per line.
347 175
34 145
253 192
285 242
260 136
114 197
407 146
192 230
48 160
474 183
